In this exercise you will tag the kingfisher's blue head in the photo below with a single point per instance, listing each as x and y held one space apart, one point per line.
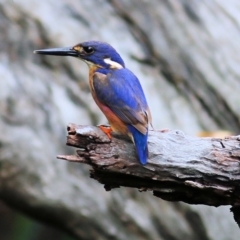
94 53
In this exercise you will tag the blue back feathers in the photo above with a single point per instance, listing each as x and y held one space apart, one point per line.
122 92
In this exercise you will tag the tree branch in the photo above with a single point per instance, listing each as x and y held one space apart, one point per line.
180 167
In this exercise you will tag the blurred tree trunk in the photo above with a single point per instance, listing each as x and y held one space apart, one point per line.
186 55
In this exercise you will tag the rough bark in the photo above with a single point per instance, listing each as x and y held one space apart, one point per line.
180 168
185 53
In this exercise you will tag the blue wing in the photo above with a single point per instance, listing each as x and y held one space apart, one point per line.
121 91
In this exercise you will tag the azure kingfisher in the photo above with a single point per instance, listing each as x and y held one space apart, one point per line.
116 91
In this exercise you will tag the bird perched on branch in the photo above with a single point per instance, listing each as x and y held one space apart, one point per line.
116 91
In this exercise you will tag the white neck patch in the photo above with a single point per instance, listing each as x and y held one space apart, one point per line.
113 64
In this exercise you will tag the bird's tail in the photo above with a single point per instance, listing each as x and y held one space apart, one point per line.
140 141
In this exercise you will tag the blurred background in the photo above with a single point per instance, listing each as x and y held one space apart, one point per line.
186 55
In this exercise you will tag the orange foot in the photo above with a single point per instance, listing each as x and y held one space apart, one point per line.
107 130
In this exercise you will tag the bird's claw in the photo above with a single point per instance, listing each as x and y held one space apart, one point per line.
107 130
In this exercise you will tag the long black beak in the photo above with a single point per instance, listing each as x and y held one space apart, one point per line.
67 51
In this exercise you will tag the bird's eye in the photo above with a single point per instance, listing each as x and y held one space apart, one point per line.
88 50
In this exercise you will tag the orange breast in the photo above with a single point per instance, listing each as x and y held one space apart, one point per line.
116 124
